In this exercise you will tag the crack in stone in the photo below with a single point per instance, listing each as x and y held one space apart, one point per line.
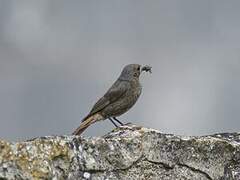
165 165
196 170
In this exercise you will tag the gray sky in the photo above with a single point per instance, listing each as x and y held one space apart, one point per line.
58 57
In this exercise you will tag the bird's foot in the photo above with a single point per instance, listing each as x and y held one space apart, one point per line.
126 124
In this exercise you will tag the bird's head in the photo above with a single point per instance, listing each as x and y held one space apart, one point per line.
133 71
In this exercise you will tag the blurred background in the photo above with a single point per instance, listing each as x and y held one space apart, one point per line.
57 58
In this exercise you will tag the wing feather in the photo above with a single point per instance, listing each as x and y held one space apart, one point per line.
117 90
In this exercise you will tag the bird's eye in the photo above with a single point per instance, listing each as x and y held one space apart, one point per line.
138 68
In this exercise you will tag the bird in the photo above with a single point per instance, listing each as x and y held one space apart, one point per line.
120 97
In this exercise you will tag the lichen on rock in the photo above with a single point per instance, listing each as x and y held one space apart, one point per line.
128 152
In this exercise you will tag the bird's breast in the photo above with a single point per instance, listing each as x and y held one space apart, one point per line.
132 95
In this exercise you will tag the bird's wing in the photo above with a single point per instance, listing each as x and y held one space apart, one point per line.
117 90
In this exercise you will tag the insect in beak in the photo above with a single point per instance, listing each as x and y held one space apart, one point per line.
147 68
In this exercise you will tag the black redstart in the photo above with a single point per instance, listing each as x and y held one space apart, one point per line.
119 98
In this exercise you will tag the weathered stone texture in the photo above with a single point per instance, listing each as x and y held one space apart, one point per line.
129 152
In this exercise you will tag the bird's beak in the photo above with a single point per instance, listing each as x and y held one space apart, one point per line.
146 68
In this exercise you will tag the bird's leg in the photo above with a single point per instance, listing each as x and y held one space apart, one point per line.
118 121
113 122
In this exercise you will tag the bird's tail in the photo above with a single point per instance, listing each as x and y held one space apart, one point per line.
87 121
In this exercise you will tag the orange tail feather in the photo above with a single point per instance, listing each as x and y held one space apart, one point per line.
87 122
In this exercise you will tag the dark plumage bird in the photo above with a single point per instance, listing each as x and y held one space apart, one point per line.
118 99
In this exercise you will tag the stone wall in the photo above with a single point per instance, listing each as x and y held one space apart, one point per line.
129 152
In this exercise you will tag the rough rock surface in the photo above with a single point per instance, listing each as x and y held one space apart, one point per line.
129 152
